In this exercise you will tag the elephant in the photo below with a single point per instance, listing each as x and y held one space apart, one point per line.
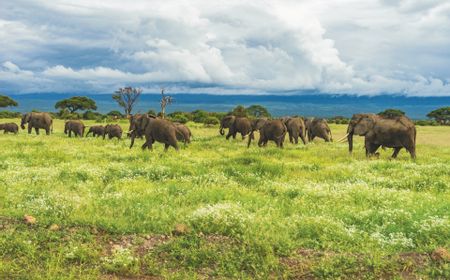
112 130
296 128
317 127
274 130
183 133
77 127
390 132
37 121
154 129
235 125
9 127
96 130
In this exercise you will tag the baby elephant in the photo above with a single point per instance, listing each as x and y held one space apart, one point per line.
183 133
77 127
9 127
113 130
96 130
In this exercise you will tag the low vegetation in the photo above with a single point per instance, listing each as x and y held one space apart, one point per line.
91 208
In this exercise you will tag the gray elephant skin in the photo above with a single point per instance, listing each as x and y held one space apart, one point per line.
235 125
37 121
112 130
296 128
271 130
154 129
96 130
317 127
396 132
74 126
9 127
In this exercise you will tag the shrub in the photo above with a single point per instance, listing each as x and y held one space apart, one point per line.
181 118
211 121
9 115
199 116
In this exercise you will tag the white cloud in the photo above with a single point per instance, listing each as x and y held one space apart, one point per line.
348 46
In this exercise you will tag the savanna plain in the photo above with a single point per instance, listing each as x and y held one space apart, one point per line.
215 209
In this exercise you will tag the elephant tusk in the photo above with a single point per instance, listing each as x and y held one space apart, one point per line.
130 131
343 138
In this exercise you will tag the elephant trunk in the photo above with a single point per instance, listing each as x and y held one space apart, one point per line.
132 136
221 130
350 138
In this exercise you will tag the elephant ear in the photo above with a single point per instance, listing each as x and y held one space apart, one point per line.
144 122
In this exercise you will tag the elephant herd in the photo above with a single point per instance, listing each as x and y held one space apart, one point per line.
378 131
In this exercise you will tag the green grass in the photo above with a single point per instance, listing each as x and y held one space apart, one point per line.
309 211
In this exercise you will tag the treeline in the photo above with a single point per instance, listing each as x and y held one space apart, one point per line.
82 107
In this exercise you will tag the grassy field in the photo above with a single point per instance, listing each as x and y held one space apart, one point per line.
216 209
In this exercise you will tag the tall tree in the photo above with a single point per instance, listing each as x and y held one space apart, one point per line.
165 100
76 103
257 111
441 115
126 98
6 101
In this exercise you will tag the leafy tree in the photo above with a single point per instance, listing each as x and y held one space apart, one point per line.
126 98
6 101
76 103
257 111
211 121
390 113
441 115
239 111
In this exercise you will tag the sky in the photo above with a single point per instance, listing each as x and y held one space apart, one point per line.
361 47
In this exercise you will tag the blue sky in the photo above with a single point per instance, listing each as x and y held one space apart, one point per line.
348 46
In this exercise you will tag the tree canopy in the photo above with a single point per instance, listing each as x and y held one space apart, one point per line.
257 111
6 101
126 98
390 113
441 115
76 103
253 111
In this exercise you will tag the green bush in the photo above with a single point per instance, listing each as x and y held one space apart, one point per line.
9 115
211 121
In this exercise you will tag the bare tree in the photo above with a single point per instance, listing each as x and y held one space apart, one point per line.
165 100
126 97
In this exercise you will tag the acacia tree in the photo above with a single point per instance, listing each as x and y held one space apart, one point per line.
6 101
257 111
165 100
390 113
126 98
76 103
441 115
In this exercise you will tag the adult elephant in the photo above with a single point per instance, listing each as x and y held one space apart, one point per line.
317 127
396 132
296 128
183 133
96 130
256 125
75 126
271 130
235 125
9 127
154 129
112 130
37 121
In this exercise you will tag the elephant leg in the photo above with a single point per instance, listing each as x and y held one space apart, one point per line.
29 129
37 130
47 131
303 138
396 151
166 147
412 151
229 134
296 139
